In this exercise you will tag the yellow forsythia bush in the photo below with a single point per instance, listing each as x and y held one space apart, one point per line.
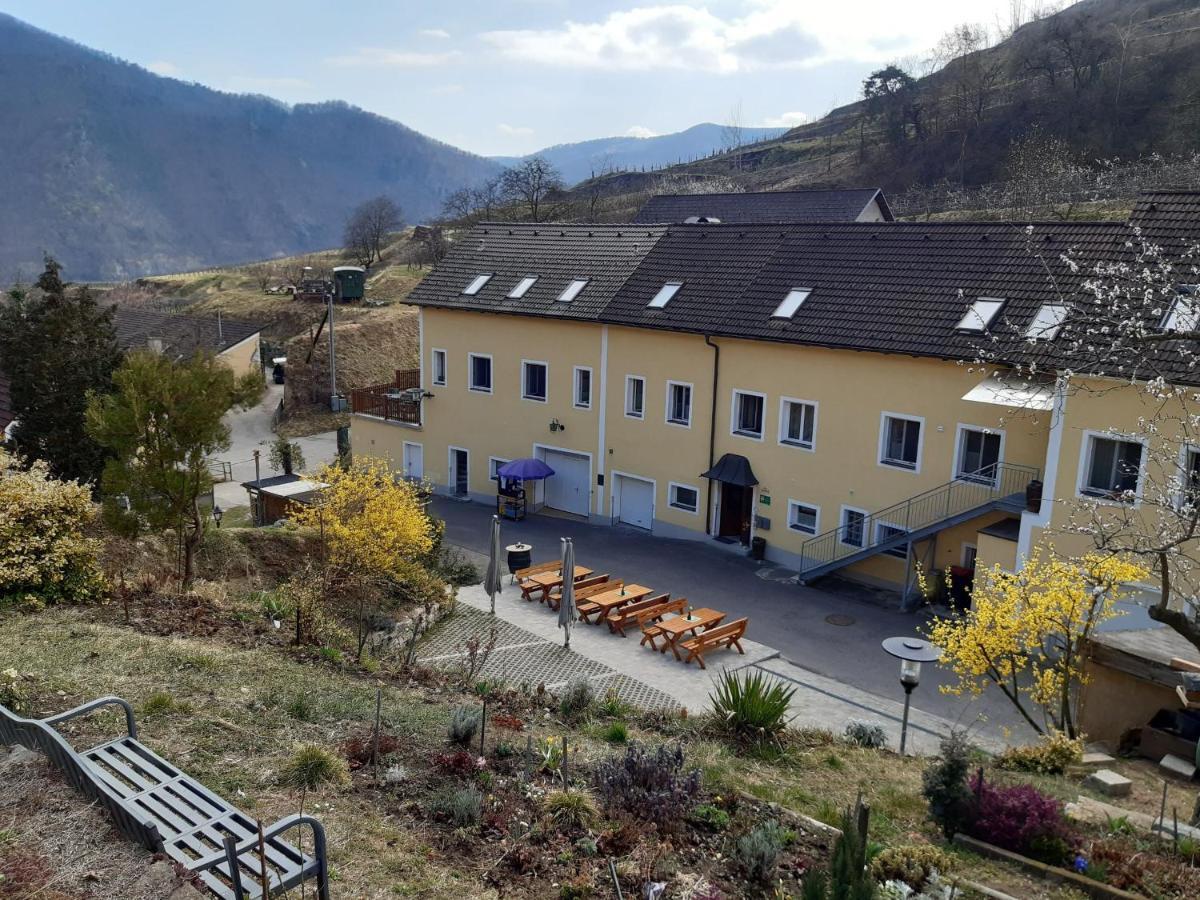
45 555
1052 755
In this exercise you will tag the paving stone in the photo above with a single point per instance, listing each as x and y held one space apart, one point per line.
1108 782
1177 765
1095 758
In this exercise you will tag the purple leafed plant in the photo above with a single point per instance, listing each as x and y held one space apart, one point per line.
1022 819
648 784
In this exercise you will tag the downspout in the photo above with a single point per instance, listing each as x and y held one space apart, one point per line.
712 432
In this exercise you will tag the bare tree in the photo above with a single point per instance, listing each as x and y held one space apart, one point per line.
529 183
733 134
368 227
486 197
459 205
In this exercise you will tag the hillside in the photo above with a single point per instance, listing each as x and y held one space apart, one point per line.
581 160
120 173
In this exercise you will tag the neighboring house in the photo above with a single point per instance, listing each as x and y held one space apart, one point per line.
768 207
797 383
179 336
275 498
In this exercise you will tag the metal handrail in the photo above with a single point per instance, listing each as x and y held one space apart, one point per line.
964 493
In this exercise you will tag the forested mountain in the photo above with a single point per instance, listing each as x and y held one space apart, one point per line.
119 172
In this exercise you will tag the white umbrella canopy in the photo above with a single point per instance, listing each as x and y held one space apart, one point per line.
566 607
491 583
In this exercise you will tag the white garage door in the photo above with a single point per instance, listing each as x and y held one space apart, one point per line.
569 488
635 501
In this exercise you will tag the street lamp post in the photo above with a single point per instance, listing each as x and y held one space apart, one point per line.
911 651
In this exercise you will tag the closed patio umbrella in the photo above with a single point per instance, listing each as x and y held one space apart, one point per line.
491 583
566 606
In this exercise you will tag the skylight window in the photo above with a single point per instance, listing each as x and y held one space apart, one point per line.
791 303
571 291
1185 311
477 284
1046 323
521 287
664 295
979 317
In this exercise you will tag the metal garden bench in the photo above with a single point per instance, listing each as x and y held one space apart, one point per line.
166 811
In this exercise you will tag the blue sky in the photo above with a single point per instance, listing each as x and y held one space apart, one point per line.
511 76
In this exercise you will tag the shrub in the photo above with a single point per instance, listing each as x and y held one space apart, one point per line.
460 762
649 785
1022 819
616 733
951 804
757 852
613 706
12 691
846 879
1051 755
575 809
866 734
359 748
461 806
914 864
464 722
750 706
577 697
312 767
710 816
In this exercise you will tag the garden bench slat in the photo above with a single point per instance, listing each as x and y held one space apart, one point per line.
729 635
116 765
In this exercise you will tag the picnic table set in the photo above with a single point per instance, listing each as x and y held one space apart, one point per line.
665 624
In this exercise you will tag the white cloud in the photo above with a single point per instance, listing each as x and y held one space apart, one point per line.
514 130
766 34
787 120
381 58
164 68
440 33
640 131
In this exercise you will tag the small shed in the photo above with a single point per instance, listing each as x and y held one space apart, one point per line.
274 498
350 282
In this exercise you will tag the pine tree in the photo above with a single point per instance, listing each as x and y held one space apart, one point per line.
56 348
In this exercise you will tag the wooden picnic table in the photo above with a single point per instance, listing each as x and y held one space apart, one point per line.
549 580
616 598
677 628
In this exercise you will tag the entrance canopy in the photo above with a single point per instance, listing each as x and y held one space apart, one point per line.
732 469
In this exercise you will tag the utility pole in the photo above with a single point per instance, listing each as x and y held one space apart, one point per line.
333 404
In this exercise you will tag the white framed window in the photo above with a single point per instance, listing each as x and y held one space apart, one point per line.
792 302
583 387
747 415
479 370
1184 314
1046 322
886 530
679 404
494 463
1110 467
900 440
521 287
635 396
437 364
477 284
1189 477
803 517
978 453
535 380
683 496
981 314
571 291
797 423
664 295
853 527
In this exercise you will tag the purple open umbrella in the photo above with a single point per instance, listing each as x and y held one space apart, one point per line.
525 469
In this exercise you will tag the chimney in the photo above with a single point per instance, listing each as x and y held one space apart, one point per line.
155 345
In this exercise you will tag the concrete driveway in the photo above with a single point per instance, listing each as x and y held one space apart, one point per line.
250 430
783 615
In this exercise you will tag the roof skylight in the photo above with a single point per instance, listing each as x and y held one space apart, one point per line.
521 287
1185 311
791 303
979 317
571 291
664 295
477 284
1046 323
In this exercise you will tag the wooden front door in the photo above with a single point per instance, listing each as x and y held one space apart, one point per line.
735 512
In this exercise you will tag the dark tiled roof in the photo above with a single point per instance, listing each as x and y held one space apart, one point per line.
556 254
770 207
180 335
6 413
1168 217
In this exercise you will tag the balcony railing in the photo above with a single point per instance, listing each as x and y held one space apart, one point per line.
390 401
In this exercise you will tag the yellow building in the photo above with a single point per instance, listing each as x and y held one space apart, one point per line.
234 343
802 384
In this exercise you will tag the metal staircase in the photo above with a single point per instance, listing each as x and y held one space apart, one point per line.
998 487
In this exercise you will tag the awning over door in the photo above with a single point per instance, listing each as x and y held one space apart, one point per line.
732 469
1013 392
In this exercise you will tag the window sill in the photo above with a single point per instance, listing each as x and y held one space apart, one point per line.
680 422
479 390
801 530
687 509
756 436
534 399
799 445
899 464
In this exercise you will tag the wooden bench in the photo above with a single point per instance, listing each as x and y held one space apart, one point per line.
728 635
645 612
582 584
166 811
523 577
582 594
